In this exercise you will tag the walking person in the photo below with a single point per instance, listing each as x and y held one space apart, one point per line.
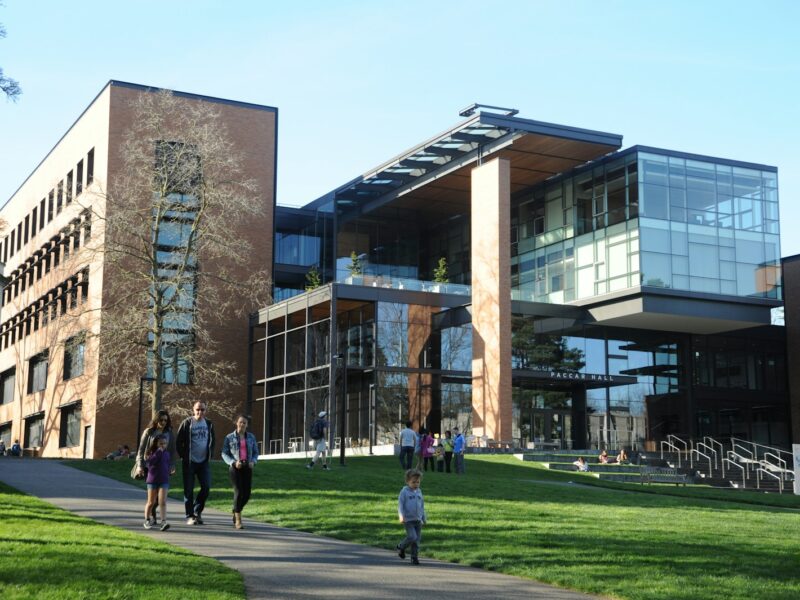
195 445
159 468
318 431
240 453
447 442
458 450
408 441
411 510
161 425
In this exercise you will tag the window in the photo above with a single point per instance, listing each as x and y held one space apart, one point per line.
69 434
27 227
5 434
41 213
19 235
50 206
69 187
37 372
13 241
60 197
34 214
74 349
79 178
7 386
90 167
34 430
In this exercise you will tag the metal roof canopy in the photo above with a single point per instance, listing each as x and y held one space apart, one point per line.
472 141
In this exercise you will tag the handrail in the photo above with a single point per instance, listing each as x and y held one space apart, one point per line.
734 446
771 474
781 463
710 449
706 456
735 464
714 443
756 445
671 445
677 439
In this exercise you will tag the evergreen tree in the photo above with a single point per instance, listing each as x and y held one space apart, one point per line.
440 272
313 279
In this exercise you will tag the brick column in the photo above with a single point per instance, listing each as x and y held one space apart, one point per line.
491 300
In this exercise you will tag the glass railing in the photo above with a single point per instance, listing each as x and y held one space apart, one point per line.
401 283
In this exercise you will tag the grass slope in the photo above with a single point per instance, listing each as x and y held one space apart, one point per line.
48 553
517 518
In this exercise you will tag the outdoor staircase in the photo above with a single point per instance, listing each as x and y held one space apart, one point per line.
734 463
562 461
731 463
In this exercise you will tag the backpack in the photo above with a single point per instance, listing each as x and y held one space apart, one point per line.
317 431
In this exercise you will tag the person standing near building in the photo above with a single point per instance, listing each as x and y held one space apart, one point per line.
458 450
240 453
447 442
408 441
318 431
195 445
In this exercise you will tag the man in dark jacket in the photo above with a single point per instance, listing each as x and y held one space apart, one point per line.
195 445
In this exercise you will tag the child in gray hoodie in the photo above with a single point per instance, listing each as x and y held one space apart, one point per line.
411 509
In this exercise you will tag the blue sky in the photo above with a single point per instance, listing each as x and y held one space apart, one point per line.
357 82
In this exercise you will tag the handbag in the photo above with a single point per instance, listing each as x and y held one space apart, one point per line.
134 471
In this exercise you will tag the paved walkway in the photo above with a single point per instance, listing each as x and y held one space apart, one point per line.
276 562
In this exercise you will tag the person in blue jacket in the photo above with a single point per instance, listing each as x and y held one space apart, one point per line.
411 510
458 451
240 453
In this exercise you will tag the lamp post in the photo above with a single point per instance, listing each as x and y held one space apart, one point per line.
342 413
139 415
371 416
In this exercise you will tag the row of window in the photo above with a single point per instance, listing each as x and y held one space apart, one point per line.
74 353
48 207
49 255
69 433
67 295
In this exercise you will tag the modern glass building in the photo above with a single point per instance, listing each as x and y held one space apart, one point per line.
594 296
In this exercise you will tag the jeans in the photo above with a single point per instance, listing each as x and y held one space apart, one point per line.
242 482
460 463
406 456
413 537
448 456
203 473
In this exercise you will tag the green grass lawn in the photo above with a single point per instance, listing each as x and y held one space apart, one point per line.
48 553
623 540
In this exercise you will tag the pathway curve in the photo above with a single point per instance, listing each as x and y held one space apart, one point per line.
277 563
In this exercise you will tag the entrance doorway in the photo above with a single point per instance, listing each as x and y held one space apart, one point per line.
551 426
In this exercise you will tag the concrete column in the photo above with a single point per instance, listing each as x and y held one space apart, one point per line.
491 300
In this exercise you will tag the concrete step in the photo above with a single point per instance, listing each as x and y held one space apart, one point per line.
594 467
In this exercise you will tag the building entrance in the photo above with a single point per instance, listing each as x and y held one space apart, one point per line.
551 426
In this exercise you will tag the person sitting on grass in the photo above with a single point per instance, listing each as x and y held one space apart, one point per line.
622 457
604 458
581 464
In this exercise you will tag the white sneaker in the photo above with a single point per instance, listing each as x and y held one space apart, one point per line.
164 526
191 521
148 524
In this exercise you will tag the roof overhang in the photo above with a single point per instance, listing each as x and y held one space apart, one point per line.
437 169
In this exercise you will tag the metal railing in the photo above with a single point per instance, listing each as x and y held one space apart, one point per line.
711 450
673 446
762 470
761 449
715 444
779 464
694 451
733 463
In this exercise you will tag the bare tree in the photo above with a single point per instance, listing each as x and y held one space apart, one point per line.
171 254
8 86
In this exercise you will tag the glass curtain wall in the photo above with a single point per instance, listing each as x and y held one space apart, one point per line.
396 366
651 219
709 227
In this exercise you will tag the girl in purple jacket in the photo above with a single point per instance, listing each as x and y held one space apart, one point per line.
158 468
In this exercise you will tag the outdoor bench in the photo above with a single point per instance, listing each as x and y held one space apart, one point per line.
662 475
